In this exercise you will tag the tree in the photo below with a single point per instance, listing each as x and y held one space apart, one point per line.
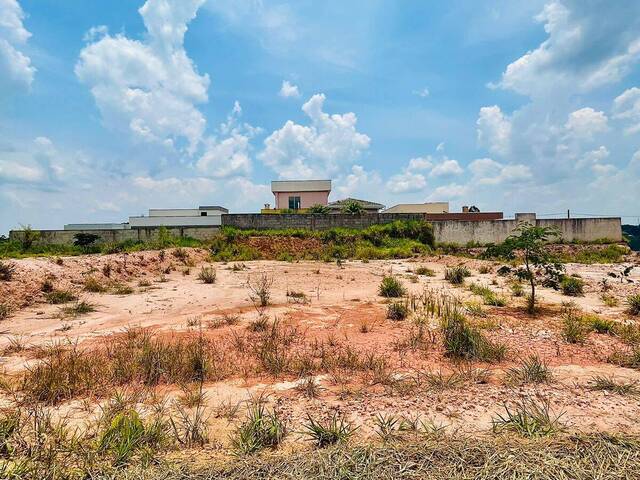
29 236
319 209
84 239
352 207
531 241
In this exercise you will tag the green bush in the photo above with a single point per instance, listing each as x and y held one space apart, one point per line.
391 287
463 341
633 302
319 209
127 434
574 329
60 296
489 297
572 286
260 430
323 434
397 311
456 275
426 271
6 271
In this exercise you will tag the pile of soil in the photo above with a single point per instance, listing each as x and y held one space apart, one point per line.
272 247
69 273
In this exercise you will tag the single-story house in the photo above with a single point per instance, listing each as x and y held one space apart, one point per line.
428 207
367 206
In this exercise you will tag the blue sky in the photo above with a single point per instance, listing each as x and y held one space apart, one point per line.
109 108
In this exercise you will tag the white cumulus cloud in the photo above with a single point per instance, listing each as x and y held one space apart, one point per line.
494 130
582 51
229 155
586 122
316 150
288 90
446 168
626 107
16 70
150 87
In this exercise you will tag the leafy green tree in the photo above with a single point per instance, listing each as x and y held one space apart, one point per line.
531 242
29 237
352 207
85 239
319 209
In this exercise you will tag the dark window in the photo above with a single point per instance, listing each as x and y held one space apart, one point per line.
203 214
294 203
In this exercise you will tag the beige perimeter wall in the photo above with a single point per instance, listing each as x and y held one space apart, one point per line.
451 231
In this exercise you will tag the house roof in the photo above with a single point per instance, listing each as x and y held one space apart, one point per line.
300 186
364 203
213 207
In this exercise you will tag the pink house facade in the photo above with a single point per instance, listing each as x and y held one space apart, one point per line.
297 194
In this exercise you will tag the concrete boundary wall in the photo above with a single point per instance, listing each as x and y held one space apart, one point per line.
49 237
478 230
449 231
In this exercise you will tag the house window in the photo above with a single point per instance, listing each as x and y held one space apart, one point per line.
203 214
294 203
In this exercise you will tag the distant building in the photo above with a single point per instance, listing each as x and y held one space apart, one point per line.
429 207
367 206
97 226
208 215
300 194
203 216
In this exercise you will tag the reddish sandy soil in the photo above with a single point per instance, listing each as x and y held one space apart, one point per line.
342 305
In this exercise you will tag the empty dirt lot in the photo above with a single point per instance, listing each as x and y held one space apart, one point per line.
402 367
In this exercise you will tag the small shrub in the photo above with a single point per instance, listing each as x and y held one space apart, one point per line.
323 434
610 384
484 269
531 370
127 433
475 309
207 275
397 311
609 300
57 297
574 329
600 325
633 304
391 287
529 418
572 286
47 286
260 290
626 358
260 324
466 342
456 275
79 308
309 387
106 270
92 284
489 296
504 270
260 430
426 271
5 311
6 271
517 290
122 289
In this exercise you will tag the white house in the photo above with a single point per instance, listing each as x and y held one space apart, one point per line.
203 216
